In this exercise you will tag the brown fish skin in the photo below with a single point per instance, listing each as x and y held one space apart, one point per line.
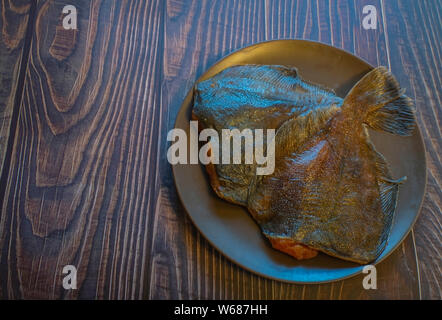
253 97
333 191
323 194
302 129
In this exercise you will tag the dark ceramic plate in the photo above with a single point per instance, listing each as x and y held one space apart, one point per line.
231 229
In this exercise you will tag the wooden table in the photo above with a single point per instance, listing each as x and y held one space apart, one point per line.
83 121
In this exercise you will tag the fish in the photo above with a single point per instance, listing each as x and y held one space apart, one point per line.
253 97
331 190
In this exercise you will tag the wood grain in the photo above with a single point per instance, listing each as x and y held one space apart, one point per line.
82 180
13 24
416 49
89 184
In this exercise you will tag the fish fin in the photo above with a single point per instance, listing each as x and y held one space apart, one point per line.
388 190
378 98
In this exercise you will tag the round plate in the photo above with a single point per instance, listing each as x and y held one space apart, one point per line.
232 230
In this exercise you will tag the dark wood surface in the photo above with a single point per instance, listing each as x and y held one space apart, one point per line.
13 25
86 181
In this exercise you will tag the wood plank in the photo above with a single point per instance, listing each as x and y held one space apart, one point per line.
415 45
397 275
340 24
82 183
197 35
13 24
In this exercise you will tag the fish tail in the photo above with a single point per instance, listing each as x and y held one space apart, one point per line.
378 100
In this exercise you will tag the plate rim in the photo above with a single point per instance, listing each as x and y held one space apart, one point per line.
360 267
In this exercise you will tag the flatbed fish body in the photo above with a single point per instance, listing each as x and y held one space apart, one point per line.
332 191
253 97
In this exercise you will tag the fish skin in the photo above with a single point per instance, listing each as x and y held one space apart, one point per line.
325 196
254 97
333 191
